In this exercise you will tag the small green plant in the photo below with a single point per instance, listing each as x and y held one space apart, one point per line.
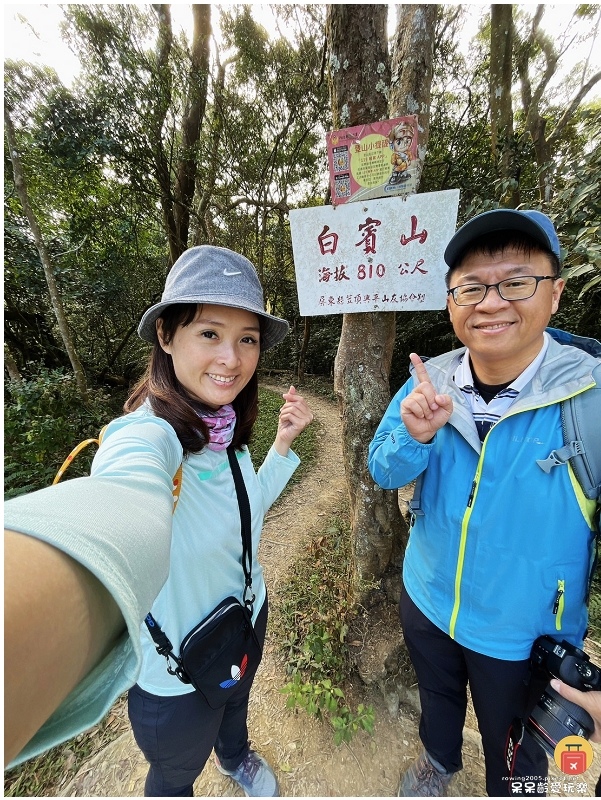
314 610
322 699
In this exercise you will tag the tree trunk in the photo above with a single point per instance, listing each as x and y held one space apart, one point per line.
10 365
303 351
410 93
55 298
204 193
359 79
163 101
192 121
501 109
412 68
177 192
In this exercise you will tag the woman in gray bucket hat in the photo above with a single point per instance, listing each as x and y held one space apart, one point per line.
215 275
197 401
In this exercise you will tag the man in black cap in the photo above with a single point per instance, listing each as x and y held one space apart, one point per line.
500 551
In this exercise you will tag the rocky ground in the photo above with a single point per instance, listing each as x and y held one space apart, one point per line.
301 749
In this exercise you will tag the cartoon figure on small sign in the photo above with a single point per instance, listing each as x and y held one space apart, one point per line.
401 138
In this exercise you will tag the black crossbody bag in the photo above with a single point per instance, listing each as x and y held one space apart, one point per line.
222 651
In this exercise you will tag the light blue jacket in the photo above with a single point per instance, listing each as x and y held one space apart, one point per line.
118 522
205 561
501 551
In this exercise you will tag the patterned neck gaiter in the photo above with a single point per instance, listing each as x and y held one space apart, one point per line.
221 424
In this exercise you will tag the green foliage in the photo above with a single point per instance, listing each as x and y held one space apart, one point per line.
322 699
44 420
314 610
576 210
101 155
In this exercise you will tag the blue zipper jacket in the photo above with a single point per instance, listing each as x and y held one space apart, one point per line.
500 552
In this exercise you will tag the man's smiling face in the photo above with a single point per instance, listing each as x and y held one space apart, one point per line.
503 336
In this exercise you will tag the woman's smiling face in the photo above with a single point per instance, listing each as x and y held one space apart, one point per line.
216 355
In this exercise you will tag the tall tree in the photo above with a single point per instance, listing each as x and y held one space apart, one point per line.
192 118
177 182
537 54
501 108
49 272
155 98
358 72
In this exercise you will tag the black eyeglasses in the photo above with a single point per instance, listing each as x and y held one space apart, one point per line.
510 289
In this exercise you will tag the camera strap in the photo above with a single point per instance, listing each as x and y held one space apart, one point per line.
515 736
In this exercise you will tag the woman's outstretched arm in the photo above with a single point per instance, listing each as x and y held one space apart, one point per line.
59 622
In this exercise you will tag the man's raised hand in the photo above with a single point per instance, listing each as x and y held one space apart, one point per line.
424 411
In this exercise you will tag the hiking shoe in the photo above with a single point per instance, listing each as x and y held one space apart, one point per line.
423 779
254 776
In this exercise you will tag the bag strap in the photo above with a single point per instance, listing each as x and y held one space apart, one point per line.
159 637
580 424
177 478
245 528
76 450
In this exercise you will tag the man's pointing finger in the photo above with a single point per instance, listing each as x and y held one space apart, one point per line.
420 371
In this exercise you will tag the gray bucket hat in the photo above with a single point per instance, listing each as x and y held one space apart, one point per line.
218 276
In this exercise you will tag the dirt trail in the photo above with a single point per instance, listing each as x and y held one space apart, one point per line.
300 749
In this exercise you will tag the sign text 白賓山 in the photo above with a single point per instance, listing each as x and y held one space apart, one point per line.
381 255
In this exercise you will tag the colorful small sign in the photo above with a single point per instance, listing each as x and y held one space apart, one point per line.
374 160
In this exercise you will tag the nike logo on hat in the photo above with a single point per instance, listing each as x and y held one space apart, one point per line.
225 272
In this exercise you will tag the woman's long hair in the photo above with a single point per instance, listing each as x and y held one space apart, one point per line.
169 399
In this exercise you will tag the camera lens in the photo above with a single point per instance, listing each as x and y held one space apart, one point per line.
554 717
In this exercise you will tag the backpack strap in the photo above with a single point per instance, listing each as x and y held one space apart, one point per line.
177 478
415 504
76 450
580 425
586 343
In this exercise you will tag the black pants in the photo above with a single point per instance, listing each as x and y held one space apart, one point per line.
499 694
176 734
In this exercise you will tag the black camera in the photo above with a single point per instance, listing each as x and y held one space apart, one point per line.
554 717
